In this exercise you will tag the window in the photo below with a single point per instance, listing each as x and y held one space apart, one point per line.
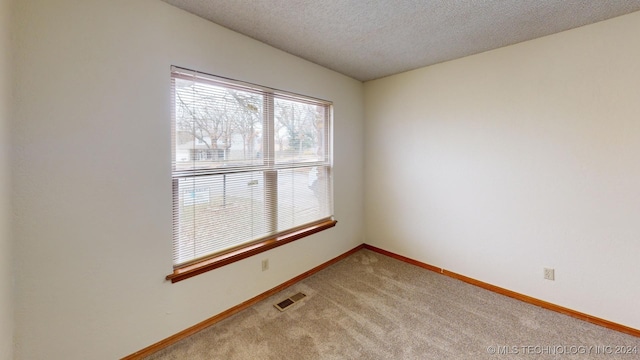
251 169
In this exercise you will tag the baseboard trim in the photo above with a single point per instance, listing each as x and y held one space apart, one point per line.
512 294
234 310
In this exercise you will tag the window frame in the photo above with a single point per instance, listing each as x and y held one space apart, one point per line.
248 249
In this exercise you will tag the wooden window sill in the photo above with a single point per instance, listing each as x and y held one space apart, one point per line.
217 261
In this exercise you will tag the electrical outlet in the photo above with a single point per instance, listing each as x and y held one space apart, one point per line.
549 274
265 264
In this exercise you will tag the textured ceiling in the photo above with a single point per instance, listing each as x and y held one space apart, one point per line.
369 39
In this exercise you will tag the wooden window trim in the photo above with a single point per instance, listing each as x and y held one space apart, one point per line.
208 264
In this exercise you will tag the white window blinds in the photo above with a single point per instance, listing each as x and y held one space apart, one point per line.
248 163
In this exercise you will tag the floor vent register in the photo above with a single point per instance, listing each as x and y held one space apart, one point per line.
285 304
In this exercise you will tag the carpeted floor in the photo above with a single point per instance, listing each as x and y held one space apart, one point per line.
369 306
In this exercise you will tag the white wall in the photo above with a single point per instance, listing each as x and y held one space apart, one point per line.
93 223
6 260
499 164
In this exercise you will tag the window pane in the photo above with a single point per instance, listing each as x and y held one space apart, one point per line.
303 196
216 126
299 131
218 212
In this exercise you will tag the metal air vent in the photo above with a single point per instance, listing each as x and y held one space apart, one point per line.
285 304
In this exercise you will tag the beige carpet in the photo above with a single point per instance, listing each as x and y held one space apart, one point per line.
370 306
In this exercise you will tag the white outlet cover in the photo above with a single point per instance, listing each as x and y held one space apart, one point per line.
549 273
